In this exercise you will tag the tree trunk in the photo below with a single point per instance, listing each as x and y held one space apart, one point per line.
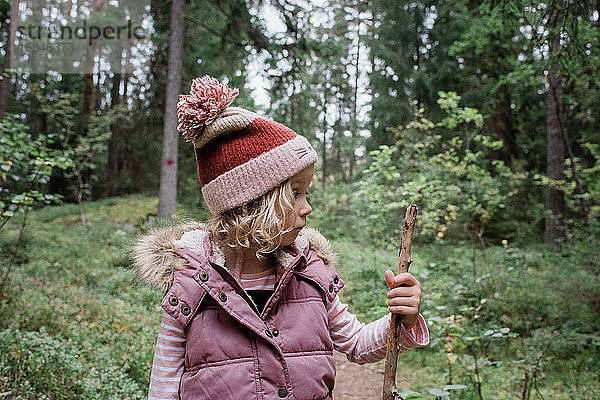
89 104
168 171
5 82
324 154
555 148
125 86
354 129
337 139
502 123
89 83
115 146
89 109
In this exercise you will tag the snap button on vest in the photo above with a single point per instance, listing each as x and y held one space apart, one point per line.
301 267
336 280
275 332
185 310
268 333
282 392
330 288
203 276
173 301
223 297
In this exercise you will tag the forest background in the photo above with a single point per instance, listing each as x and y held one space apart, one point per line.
484 113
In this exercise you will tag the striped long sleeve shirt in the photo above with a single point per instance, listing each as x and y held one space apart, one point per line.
362 343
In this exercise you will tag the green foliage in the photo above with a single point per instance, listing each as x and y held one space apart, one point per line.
26 165
494 316
579 199
445 167
395 39
37 365
508 316
73 327
81 150
335 209
588 174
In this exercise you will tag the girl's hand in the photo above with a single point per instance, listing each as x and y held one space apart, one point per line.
404 297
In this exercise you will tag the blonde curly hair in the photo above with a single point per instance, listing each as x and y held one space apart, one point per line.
259 223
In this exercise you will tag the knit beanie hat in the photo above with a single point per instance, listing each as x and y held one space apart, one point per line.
240 155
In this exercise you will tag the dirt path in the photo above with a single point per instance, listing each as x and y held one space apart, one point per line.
363 382
355 381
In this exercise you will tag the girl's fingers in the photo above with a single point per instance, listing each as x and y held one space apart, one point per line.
389 278
403 310
412 302
405 293
405 278
405 290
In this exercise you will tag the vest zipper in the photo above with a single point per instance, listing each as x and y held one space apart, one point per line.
277 289
239 289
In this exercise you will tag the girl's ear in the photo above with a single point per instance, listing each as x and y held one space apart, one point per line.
245 211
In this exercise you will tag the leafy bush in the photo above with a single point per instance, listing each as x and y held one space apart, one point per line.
335 209
82 144
447 168
26 164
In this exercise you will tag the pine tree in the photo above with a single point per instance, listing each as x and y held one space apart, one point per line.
168 172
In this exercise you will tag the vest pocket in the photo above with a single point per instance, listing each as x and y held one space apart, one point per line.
215 337
313 376
233 380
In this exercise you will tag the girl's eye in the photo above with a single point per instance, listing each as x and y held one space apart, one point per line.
296 193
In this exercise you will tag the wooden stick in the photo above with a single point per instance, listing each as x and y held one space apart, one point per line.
391 360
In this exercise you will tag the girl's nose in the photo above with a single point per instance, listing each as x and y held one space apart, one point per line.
305 209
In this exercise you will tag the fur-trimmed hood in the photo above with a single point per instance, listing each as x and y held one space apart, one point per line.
155 259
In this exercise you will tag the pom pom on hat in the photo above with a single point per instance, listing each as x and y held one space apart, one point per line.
207 99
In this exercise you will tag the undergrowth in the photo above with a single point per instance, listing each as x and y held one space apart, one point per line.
505 322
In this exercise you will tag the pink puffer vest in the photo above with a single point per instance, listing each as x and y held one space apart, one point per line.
232 352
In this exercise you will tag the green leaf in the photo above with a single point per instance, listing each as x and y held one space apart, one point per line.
409 394
455 387
438 392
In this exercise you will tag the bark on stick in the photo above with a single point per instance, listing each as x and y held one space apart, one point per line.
391 361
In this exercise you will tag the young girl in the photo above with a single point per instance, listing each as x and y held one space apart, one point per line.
251 309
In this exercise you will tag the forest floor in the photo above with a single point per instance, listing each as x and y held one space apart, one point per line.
83 331
364 382
355 381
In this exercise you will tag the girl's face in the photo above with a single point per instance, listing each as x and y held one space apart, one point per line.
300 183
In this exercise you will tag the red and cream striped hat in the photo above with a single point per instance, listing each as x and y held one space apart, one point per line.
240 154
